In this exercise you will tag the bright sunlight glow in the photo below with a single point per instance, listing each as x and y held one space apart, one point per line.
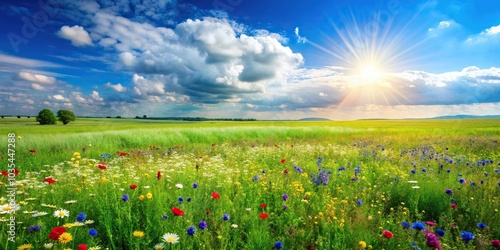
370 73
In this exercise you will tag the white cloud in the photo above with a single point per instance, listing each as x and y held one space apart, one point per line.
14 63
76 34
38 87
95 96
486 35
60 98
443 25
300 39
116 87
36 77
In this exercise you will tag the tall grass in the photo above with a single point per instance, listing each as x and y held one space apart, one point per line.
371 186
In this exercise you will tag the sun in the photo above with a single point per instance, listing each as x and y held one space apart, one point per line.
370 74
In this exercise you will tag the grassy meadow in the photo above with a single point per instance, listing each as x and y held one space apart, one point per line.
151 184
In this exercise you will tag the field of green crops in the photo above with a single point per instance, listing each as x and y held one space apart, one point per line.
146 184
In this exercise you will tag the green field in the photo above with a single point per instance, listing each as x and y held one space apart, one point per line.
345 181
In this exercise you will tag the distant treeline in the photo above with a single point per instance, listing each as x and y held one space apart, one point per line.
195 118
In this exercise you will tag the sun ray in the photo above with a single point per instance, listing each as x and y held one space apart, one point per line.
371 57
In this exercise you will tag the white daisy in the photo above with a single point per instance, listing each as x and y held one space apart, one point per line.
61 213
159 246
171 238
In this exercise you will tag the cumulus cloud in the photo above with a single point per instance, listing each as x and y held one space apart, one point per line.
446 24
60 98
39 78
76 34
209 60
322 88
486 35
116 87
95 96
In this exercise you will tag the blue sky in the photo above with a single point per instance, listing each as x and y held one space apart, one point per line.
255 59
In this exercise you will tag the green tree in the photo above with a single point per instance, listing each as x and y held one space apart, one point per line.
66 116
46 117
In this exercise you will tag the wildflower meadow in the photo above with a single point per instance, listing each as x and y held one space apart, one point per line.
127 184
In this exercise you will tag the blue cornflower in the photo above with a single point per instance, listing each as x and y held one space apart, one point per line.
467 236
284 207
195 185
413 171
34 228
202 225
285 197
461 180
318 162
406 225
125 197
360 202
81 217
164 216
278 245
473 183
191 230
225 217
298 169
188 199
255 178
357 170
449 191
92 232
481 225
497 171
180 199
418 225
424 170
448 170
440 232
105 156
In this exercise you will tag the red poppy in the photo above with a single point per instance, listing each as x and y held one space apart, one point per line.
207 212
263 216
56 232
49 180
387 234
215 195
213 144
83 149
263 205
33 151
454 206
6 173
158 175
285 172
133 186
82 247
152 147
101 166
495 243
283 160
177 211
122 153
